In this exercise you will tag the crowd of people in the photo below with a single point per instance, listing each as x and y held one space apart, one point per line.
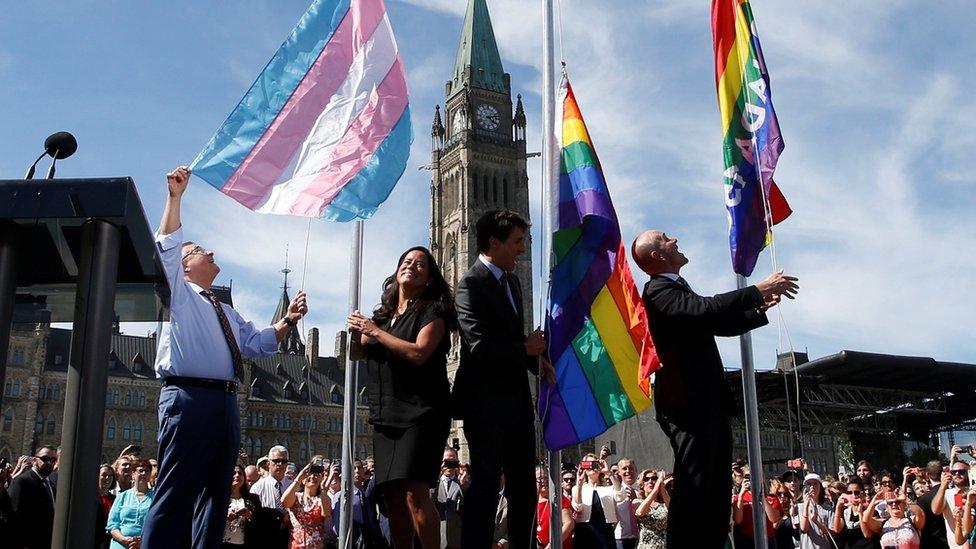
604 503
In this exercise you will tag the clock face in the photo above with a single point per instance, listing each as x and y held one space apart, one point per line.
488 117
459 122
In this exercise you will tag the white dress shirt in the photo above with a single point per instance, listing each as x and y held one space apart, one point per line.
499 272
626 519
267 491
192 344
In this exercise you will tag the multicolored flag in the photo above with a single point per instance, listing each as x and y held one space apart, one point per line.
750 130
596 324
324 131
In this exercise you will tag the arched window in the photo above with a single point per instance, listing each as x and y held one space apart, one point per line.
52 424
115 397
137 431
49 391
18 358
126 429
127 399
303 453
8 419
257 447
494 189
39 423
142 399
484 188
110 429
505 190
276 421
287 424
57 391
15 390
40 391
260 419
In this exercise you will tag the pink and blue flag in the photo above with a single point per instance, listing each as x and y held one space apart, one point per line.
325 129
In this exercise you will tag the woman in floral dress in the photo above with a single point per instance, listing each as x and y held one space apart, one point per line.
303 500
652 513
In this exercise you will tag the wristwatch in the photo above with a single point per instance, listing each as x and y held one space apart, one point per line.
289 321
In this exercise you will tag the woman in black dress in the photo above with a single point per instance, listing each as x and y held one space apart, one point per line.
406 344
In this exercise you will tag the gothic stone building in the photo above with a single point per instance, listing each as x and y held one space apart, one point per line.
283 396
478 160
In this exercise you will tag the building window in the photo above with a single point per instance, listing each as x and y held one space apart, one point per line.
51 424
137 431
8 419
127 399
7 388
257 447
126 430
336 396
57 391
39 424
287 422
110 429
18 358
303 453
15 390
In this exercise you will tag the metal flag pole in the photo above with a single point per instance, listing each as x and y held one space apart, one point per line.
548 184
751 406
350 396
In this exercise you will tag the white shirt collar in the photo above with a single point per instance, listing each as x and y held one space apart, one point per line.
495 269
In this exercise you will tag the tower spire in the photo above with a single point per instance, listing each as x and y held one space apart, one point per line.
478 51
292 343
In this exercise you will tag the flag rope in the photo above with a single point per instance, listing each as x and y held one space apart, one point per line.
308 372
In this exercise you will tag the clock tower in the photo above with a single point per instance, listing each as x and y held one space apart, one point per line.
477 161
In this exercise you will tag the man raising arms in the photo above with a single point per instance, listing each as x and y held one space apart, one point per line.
200 363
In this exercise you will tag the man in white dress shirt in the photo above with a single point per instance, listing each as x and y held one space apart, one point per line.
200 363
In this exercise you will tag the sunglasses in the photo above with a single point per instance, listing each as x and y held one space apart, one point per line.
854 492
567 479
650 479
142 470
48 459
279 461
958 472
886 482
783 494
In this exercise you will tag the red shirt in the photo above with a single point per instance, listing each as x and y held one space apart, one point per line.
542 526
746 526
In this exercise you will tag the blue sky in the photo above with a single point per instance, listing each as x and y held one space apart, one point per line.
874 102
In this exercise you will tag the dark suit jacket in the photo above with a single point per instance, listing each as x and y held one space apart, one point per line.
491 379
691 384
34 510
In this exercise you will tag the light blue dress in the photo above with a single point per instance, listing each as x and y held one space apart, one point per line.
127 514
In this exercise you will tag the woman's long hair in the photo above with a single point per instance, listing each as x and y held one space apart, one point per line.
436 294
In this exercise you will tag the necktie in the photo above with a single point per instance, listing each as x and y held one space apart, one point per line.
50 491
235 351
507 288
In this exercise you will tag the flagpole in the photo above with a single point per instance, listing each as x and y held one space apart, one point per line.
751 406
548 182
349 396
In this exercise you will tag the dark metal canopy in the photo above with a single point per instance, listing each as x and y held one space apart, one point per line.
855 391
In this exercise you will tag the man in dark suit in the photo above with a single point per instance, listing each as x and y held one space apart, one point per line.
692 399
32 499
491 391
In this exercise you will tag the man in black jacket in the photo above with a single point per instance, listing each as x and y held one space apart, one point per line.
32 498
491 391
692 399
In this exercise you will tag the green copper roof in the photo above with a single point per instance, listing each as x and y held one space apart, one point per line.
478 49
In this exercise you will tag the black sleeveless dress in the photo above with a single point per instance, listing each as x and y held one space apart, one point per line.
408 403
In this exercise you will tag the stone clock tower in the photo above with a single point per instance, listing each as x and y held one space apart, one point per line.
478 161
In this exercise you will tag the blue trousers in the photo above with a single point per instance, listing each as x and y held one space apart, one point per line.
199 440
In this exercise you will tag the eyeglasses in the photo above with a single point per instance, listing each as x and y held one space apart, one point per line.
280 461
650 479
567 479
193 251
886 482
959 472
48 459
854 492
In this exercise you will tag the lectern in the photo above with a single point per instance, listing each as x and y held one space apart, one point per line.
81 251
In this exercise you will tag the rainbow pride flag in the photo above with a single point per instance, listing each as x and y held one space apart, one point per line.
749 130
324 131
596 324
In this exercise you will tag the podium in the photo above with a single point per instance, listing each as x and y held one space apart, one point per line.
81 251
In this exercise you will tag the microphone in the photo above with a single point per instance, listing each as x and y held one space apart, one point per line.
58 145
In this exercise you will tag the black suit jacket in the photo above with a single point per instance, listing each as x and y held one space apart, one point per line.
691 384
34 510
491 381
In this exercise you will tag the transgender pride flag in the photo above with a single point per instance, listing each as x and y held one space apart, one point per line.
324 131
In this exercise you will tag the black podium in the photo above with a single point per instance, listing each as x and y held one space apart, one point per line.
81 251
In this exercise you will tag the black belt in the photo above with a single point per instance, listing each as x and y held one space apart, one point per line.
219 384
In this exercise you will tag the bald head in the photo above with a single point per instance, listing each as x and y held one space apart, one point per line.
655 252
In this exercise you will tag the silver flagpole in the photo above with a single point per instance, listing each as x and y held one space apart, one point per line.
751 406
350 396
548 183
